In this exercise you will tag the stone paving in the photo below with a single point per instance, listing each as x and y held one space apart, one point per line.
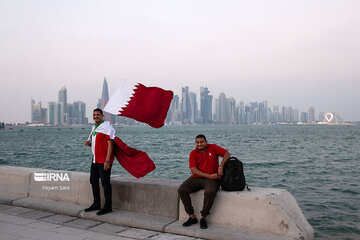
18 223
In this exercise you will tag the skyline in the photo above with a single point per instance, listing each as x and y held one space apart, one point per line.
195 115
301 53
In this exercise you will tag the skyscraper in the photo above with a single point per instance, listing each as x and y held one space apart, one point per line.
58 113
51 113
205 105
247 113
263 116
194 115
283 114
231 109
311 114
103 101
63 100
217 111
296 115
254 112
38 114
223 108
277 116
174 114
185 105
241 112
32 110
290 114
79 113
304 117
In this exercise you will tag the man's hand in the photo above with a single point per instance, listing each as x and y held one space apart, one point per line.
214 176
106 165
201 174
225 158
108 154
87 143
220 171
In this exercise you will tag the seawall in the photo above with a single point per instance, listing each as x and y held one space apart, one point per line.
154 204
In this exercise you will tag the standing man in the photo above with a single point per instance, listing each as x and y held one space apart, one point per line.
204 165
101 142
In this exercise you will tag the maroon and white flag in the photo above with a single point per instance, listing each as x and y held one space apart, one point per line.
144 104
136 162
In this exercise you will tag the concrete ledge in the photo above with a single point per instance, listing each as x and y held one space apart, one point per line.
148 196
15 180
9 198
154 204
49 206
76 191
131 219
262 210
215 232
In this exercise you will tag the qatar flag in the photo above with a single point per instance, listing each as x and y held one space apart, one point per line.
144 104
136 162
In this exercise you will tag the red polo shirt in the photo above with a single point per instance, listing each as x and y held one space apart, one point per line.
208 161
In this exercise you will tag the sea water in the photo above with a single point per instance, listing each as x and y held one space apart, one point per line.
318 165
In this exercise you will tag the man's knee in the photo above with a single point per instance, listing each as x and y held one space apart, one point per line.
210 193
94 179
105 182
182 190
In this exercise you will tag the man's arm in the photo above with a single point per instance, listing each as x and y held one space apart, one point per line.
221 166
88 141
108 154
199 173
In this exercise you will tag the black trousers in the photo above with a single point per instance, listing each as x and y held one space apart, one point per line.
97 172
193 184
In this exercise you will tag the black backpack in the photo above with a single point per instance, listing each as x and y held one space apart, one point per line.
233 178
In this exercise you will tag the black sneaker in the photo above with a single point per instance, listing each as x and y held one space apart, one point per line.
190 222
103 211
92 208
203 224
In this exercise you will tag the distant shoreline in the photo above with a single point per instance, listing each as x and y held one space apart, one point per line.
352 123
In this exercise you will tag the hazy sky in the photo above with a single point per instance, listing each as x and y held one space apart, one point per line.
291 53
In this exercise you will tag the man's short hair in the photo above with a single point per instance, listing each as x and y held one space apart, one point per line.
201 136
98 110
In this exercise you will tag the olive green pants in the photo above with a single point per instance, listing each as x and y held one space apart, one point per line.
194 184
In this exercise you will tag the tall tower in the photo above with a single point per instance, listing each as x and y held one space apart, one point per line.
185 105
231 107
193 107
38 114
63 100
103 101
223 108
311 114
205 105
254 111
32 110
51 113
241 113
263 116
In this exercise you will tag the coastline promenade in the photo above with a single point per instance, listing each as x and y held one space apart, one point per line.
142 209
19 223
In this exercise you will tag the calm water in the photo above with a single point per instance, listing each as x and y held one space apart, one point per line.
319 165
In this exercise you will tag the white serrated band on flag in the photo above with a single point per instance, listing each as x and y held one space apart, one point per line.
120 97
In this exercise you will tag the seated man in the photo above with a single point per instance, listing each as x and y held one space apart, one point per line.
204 165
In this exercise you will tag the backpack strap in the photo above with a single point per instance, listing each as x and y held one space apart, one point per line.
247 187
